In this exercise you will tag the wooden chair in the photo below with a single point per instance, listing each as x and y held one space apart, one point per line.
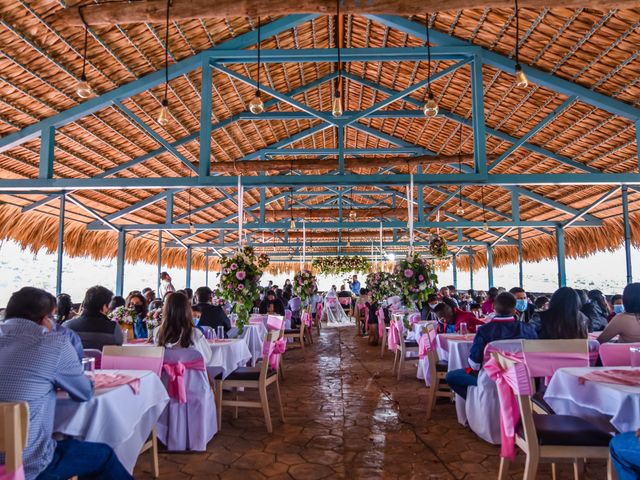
552 437
345 302
139 357
297 334
251 378
437 371
14 423
403 349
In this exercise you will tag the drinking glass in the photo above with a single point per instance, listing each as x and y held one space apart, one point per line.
211 334
125 334
220 332
463 328
88 365
256 310
635 356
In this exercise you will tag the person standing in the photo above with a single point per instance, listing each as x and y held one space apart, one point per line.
165 285
355 285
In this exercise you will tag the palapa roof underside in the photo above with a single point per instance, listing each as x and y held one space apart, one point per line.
41 62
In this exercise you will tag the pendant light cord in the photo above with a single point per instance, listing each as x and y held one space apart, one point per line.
517 34
428 43
83 77
166 52
259 52
484 214
339 79
460 164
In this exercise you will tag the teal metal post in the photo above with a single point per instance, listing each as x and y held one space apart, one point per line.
560 251
206 268
454 266
159 261
520 270
204 169
63 200
627 232
471 271
490 264
47 147
188 282
122 240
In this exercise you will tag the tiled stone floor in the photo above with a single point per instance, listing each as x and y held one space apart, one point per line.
346 417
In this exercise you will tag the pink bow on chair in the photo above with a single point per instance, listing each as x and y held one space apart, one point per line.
516 378
273 350
394 337
306 318
366 319
17 475
176 371
414 318
380 315
426 343
319 312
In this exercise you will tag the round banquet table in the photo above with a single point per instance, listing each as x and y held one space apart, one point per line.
606 404
115 416
254 335
229 354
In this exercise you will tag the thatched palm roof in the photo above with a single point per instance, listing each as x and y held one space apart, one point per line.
41 60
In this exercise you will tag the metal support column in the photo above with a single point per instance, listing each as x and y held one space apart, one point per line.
206 268
520 270
204 169
159 262
454 266
490 265
47 147
63 200
122 240
471 270
188 280
627 232
560 251
479 129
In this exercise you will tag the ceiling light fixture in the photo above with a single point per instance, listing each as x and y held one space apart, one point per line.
83 89
163 117
256 105
336 105
521 78
431 106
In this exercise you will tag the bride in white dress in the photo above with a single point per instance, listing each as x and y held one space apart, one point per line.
332 311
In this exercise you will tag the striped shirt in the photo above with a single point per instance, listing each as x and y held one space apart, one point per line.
33 363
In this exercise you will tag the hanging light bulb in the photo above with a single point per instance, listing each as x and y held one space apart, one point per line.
485 226
163 117
83 89
192 228
336 107
353 214
431 107
460 210
336 104
521 78
256 105
292 225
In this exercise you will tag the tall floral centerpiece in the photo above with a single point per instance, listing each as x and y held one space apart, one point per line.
382 285
415 279
239 281
304 285
153 320
125 317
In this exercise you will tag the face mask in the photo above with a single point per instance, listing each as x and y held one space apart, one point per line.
196 320
618 308
521 305
433 305
138 308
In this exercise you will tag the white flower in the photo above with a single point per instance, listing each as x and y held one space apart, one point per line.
422 286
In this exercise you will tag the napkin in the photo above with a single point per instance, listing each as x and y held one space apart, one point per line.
110 380
630 378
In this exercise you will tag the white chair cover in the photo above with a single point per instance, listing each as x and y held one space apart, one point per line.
332 312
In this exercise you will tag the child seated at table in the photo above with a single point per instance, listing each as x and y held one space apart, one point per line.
503 326
450 318
177 329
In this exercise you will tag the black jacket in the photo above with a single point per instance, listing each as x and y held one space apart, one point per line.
213 316
95 331
597 318
527 315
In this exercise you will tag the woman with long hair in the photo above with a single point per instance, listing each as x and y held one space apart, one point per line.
487 305
597 310
563 319
627 323
65 308
138 302
177 329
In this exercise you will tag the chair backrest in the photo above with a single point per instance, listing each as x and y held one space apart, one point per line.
14 423
95 354
287 315
272 348
617 354
344 301
139 357
544 357
275 322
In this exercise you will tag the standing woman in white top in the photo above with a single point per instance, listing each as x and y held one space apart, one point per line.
177 329
165 285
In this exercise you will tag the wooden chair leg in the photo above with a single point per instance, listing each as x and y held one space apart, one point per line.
400 363
431 396
235 408
219 406
264 400
280 406
554 471
154 453
531 467
503 473
611 472
578 468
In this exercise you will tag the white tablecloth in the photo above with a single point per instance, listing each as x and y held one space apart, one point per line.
229 355
115 416
596 401
254 335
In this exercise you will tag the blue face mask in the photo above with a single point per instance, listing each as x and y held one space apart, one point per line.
618 308
521 305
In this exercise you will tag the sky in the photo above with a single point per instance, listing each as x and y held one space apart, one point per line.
605 271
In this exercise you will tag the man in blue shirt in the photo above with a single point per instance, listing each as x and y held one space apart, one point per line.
625 453
35 360
503 326
355 285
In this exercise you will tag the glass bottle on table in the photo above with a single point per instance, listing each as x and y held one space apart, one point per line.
220 332
463 328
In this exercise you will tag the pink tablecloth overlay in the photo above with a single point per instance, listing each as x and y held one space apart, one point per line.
115 416
597 401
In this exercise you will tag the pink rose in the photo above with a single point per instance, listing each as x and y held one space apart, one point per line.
234 266
421 278
240 286
241 275
408 273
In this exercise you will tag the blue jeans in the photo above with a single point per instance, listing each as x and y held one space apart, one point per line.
459 381
86 460
625 453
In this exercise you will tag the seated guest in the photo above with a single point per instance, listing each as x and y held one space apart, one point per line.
450 317
617 306
116 302
427 312
211 315
26 337
93 327
487 305
177 329
625 454
344 293
541 303
137 302
445 293
597 310
295 305
503 326
563 319
627 323
524 309
65 308
476 309
149 295
271 305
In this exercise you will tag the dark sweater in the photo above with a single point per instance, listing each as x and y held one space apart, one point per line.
95 331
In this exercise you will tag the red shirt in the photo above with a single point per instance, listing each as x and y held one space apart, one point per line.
466 317
487 307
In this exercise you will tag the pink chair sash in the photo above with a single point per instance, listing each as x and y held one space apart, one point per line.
381 327
319 312
176 372
344 300
414 318
545 364
426 343
273 350
366 319
394 334
616 354
332 301
274 322
306 318
17 475
507 381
